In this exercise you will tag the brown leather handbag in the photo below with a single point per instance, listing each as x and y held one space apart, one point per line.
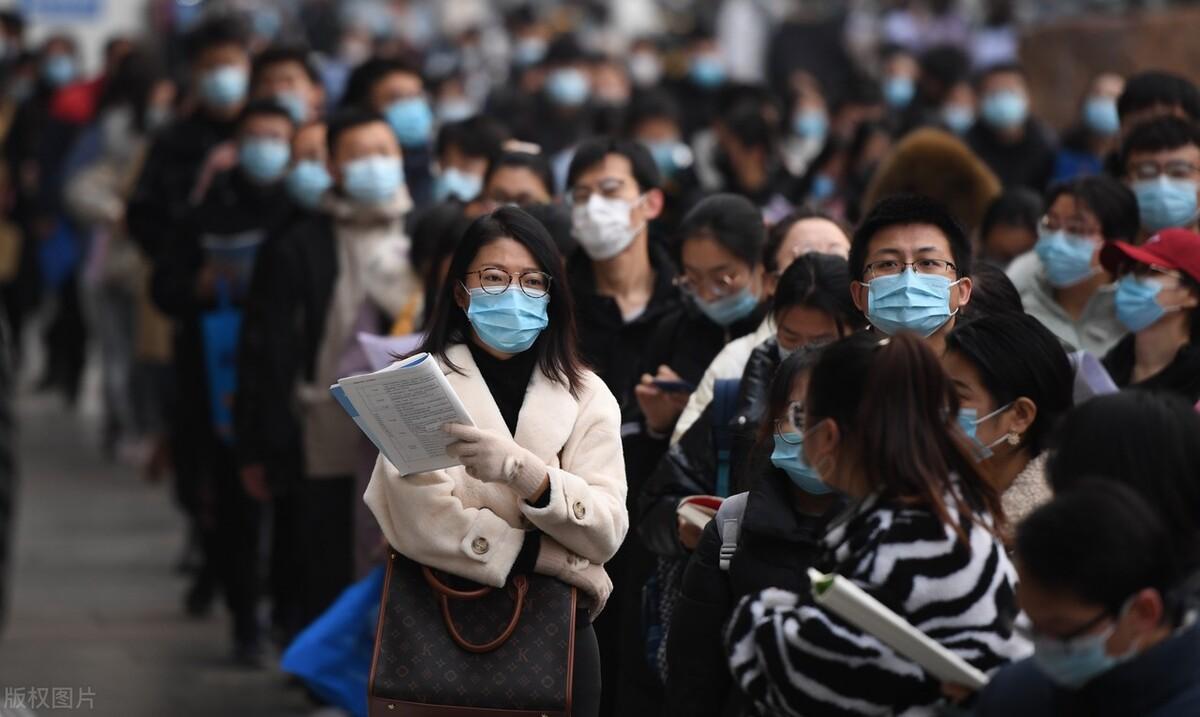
446 647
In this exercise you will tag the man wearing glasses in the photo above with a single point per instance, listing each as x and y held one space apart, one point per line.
1162 167
910 263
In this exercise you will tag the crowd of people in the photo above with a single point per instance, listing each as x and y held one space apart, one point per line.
911 334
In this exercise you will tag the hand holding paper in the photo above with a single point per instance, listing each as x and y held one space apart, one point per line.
491 457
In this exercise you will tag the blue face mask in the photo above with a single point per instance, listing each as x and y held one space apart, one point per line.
1137 302
307 183
667 155
969 421
729 309
224 87
374 179
567 87
1004 109
263 160
899 91
909 301
58 69
1100 116
529 51
707 71
822 187
1164 203
789 458
295 105
455 110
456 183
1067 258
958 119
810 124
411 120
509 322
1074 663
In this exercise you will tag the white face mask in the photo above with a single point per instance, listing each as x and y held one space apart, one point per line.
602 226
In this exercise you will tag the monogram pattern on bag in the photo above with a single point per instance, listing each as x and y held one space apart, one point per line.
419 662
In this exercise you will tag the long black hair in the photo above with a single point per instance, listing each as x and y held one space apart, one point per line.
558 357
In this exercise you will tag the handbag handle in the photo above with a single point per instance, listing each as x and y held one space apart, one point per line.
444 592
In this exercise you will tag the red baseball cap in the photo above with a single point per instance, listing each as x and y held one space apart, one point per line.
1177 249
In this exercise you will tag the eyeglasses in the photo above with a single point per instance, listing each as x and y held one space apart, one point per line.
534 284
721 286
1070 226
609 188
1029 632
892 267
1175 169
1144 270
790 428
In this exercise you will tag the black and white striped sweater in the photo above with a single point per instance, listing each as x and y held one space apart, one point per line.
791 657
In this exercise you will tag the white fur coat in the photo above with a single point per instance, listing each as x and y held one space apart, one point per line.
450 521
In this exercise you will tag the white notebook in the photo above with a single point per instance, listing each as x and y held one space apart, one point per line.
847 600
402 409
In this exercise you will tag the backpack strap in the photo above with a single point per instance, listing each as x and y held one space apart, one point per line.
729 520
724 404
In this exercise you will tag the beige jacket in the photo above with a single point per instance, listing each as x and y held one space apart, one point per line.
450 521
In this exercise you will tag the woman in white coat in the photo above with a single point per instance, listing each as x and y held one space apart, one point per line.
542 485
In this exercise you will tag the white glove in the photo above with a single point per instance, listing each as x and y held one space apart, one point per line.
494 458
591 579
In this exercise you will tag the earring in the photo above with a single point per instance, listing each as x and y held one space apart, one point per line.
1014 438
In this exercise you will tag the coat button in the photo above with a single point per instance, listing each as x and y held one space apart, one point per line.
580 510
479 546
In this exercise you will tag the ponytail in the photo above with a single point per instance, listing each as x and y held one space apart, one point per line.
897 411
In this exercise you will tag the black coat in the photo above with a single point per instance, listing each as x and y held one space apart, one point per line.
776 546
1028 163
1181 377
610 345
690 466
159 207
233 207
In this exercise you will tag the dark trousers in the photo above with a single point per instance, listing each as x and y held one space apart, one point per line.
585 690
326 540
229 529
286 567
66 338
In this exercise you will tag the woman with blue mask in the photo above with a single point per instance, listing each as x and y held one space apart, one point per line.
1008 136
1096 132
781 519
308 180
1014 382
1062 281
541 486
1157 298
1105 604
911 263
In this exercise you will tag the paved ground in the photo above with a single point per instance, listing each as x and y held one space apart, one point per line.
96 605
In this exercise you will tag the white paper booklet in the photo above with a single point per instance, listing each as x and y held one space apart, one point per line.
402 409
853 604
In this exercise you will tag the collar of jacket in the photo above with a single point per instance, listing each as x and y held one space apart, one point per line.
770 511
346 210
663 297
1148 682
1181 376
547 416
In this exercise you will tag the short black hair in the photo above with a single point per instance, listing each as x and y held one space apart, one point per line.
564 50
650 105
906 210
345 120
732 221
780 229
1156 88
1158 135
1017 357
822 282
535 163
1000 68
591 152
478 136
265 106
1113 203
558 356
216 32
992 292
364 78
282 54
12 22
747 123
1015 207
557 220
1147 440
1099 544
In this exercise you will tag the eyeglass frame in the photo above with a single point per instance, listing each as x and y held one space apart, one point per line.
869 269
518 275
1193 170
794 409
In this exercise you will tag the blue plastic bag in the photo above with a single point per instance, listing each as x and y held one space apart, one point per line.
333 655
221 328
58 255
